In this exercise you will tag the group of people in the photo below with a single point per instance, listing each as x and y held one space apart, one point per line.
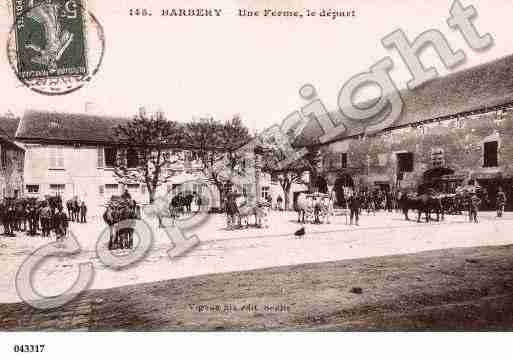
376 200
182 203
429 202
77 210
32 216
469 202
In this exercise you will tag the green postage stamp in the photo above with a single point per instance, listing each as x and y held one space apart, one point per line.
50 38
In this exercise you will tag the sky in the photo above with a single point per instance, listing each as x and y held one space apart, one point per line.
254 67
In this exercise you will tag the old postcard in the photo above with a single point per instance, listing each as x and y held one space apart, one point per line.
255 165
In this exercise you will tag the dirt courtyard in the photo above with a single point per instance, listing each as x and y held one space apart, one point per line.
386 274
451 289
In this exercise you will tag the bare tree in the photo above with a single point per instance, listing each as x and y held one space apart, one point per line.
217 145
286 176
148 146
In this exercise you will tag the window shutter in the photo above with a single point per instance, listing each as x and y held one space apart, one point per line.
60 157
101 157
53 163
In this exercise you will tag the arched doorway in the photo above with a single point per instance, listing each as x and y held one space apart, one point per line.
343 181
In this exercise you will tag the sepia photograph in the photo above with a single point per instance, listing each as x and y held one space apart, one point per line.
173 168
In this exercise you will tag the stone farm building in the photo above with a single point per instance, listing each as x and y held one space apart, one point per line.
454 130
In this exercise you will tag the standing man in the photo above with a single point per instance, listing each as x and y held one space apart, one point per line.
45 216
279 203
501 202
474 207
32 218
354 207
388 201
126 195
403 203
83 212
7 219
11 219
61 224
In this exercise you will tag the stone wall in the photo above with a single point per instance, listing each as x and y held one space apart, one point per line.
462 141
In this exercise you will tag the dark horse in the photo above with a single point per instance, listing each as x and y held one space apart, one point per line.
426 204
73 208
121 238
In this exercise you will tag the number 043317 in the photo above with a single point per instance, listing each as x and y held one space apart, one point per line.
29 348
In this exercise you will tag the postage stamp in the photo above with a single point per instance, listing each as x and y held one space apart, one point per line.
50 38
55 46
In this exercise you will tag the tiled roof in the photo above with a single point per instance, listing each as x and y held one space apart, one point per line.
67 127
8 126
474 89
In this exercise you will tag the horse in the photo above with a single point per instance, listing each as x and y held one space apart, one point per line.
231 210
20 215
110 220
116 213
313 209
304 207
426 204
187 202
260 210
8 217
76 210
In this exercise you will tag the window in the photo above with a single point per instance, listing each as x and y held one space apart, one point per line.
57 188
343 157
227 187
491 154
112 189
247 189
101 190
198 188
132 158
405 162
265 192
101 157
133 187
32 188
174 189
111 155
3 151
327 161
19 161
56 157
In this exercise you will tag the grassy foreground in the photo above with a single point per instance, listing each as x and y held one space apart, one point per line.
454 289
